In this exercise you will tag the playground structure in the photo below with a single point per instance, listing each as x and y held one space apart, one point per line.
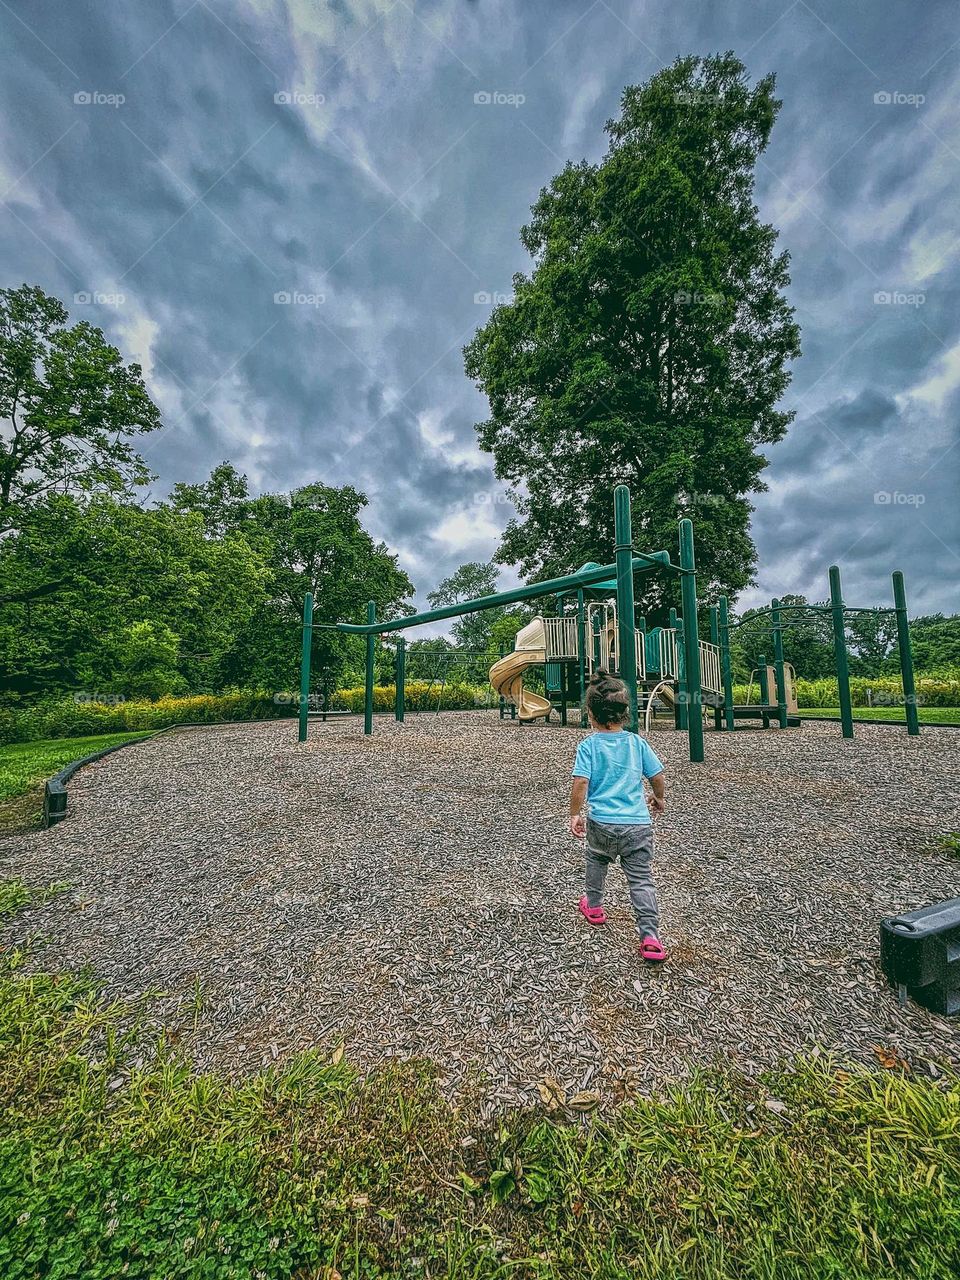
672 663
557 643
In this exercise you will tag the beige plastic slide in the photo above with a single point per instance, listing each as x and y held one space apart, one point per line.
667 694
506 676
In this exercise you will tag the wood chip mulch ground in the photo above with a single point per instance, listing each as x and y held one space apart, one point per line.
415 894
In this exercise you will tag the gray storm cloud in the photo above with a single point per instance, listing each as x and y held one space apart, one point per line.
301 205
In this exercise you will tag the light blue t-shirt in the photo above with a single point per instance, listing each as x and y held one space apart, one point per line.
615 765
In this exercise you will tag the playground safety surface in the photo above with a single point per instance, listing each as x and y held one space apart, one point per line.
415 894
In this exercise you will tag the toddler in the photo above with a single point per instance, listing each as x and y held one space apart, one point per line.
608 776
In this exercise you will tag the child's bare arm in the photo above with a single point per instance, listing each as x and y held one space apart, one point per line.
578 796
658 800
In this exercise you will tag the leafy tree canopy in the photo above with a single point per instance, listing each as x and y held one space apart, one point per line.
935 641
470 581
650 343
69 407
202 593
309 540
118 566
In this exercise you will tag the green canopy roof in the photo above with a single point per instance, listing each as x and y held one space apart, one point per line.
607 588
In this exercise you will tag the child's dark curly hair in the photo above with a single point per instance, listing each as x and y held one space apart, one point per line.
607 699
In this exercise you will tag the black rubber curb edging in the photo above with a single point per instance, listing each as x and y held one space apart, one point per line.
55 790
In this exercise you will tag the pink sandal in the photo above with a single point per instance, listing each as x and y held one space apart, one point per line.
652 950
592 915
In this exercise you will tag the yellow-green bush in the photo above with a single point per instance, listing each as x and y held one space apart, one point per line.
932 691
421 695
73 718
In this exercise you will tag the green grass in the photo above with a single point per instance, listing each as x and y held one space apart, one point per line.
115 1160
25 766
926 715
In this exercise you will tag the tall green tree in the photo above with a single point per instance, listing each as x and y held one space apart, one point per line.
69 407
470 581
309 540
872 638
649 345
935 641
121 567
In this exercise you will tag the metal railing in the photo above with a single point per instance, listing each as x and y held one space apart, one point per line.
670 660
640 645
710 677
560 638
669 657
608 627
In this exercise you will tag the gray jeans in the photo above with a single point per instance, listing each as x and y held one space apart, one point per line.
634 847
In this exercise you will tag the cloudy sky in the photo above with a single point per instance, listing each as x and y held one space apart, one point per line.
185 163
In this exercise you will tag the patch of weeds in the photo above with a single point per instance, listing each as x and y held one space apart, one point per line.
15 896
116 1161
950 844
22 812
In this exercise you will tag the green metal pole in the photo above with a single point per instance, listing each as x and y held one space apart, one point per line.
627 639
691 640
840 652
503 701
368 683
778 672
715 640
582 657
401 693
680 717
307 646
725 663
906 655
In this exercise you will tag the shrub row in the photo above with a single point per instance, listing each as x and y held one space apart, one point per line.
421 695
886 691
70 718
